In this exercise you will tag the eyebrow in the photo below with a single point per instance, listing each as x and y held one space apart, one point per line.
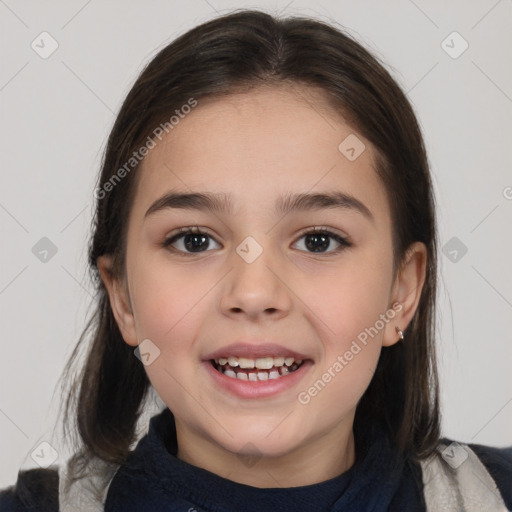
222 203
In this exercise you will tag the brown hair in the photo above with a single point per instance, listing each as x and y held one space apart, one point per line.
231 53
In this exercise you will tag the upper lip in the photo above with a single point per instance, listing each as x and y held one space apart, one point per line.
253 351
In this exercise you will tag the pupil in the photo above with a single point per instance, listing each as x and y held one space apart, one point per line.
324 240
192 246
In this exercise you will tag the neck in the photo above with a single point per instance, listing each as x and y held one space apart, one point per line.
322 459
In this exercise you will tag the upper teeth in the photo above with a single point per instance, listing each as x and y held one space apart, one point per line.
262 363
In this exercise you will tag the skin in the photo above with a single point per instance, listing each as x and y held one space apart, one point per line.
314 302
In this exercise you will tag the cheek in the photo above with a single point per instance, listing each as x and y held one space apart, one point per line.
352 344
347 309
166 301
348 298
169 306
170 316
338 386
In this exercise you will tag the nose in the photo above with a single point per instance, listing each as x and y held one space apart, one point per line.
256 290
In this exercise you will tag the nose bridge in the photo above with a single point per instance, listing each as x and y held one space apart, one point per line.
255 285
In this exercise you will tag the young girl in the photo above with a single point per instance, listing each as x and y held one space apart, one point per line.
264 249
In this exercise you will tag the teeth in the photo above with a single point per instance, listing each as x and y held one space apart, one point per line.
277 367
275 373
233 361
261 363
244 362
264 363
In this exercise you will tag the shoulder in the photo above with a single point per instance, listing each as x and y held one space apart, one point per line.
498 461
35 489
480 472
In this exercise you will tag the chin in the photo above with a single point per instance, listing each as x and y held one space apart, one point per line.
259 440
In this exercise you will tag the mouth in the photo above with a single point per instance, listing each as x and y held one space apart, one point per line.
256 370
259 369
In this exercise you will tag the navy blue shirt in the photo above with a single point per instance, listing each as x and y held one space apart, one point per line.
153 479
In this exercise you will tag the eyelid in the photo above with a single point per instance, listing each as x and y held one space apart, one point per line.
323 229
317 229
185 230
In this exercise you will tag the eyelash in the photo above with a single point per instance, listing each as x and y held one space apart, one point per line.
343 241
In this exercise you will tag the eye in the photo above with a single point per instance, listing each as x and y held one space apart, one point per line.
319 239
192 239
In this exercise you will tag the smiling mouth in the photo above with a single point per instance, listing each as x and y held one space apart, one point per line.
260 369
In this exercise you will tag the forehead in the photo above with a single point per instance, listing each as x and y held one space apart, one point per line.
258 146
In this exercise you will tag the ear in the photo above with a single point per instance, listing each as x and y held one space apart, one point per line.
119 300
406 291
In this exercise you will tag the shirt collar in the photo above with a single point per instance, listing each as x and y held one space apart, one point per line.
368 485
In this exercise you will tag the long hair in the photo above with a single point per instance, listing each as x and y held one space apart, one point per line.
233 53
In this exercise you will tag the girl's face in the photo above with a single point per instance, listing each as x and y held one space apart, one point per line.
255 282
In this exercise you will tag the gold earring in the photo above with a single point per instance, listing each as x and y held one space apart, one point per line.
400 333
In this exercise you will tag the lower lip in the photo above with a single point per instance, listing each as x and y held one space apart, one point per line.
261 388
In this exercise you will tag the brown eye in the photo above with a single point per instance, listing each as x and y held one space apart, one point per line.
189 241
318 240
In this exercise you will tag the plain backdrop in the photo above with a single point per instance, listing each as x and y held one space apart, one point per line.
56 113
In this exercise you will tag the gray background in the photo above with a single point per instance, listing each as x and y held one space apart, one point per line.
55 117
